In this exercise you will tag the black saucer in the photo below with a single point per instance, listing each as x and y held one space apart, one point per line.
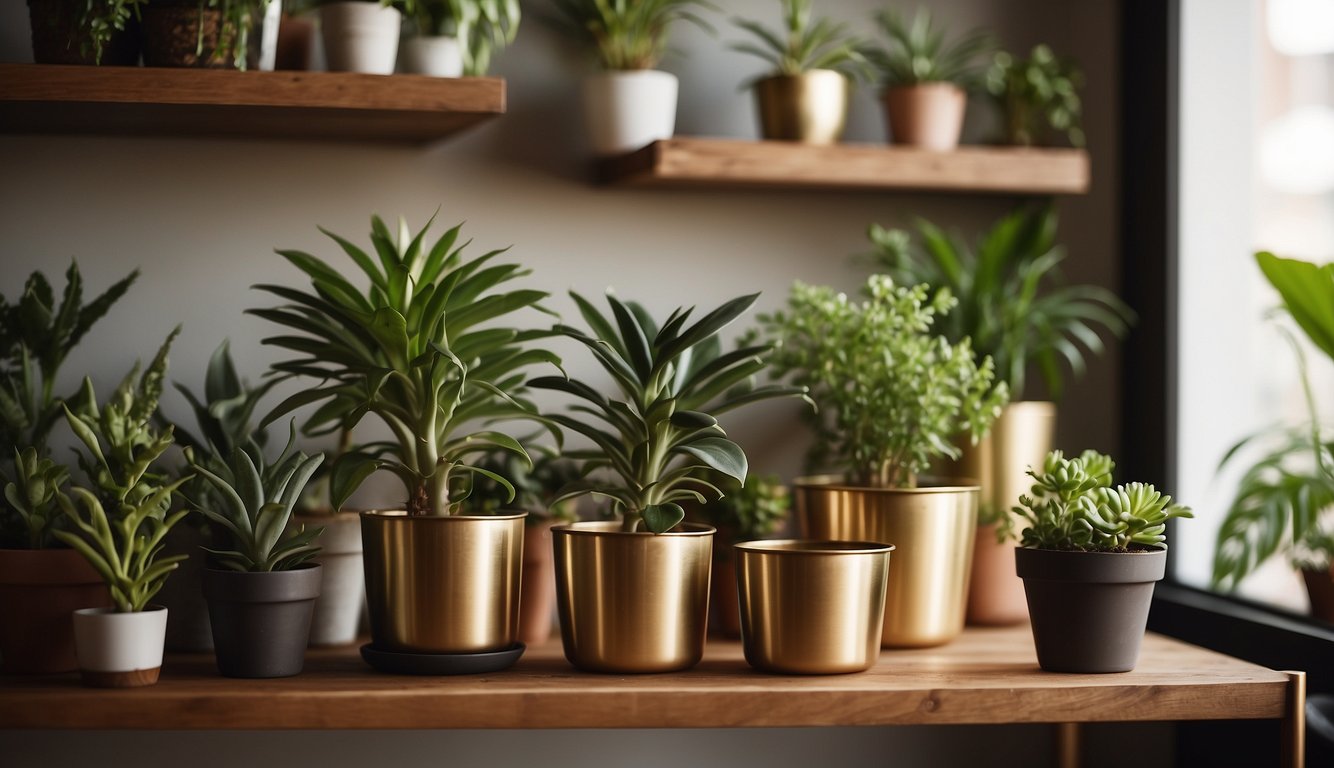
406 663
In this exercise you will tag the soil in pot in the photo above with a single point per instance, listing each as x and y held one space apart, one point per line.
39 591
57 37
180 35
261 621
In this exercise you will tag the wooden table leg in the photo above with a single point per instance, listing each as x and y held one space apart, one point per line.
1294 722
1067 745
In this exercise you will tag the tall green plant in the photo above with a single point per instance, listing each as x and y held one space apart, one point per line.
804 43
423 346
625 34
917 52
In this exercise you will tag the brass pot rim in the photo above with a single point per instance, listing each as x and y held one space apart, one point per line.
801 547
808 73
613 527
839 483
402 514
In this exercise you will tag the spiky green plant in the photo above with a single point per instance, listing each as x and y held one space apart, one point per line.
805 43
423 347
626 34
225 414
652 443
1038 97
917 52
481 26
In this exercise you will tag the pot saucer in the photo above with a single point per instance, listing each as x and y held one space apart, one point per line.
407 663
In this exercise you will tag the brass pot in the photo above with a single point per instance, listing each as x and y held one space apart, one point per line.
632 602
442 584
811 107
932 530
812 607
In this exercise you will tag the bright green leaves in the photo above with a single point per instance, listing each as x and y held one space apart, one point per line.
805 43
1037 96
626 35
1308 295
33 495
918 53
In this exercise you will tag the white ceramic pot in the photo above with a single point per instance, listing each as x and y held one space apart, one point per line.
360 37
268 36
342 599
628 110
434 55
119 650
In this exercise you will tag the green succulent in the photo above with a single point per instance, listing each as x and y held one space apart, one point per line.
626 34
805 43
422 347
750 510
1037 97
917 52
482 27
1073 507
891 393
653 441
33 495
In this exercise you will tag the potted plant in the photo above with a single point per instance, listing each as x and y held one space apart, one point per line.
425 348
361 35
629 104
1038 97
202 33
119 521
1015 309
633 593
1089 559
926 79
41 581
891 395
93 32
805 96
261 587
457 37
747 511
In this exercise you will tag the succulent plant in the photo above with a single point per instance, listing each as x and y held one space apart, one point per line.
805 43
1073 507
33 495
627 34
918 53
654 440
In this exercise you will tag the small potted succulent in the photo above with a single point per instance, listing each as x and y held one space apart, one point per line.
361 35
457 37
1038 97
805 95
119 521
1015 309
1089 559
747 511
926 79
629 104
423 346
75 32
891 395
216 34
633 593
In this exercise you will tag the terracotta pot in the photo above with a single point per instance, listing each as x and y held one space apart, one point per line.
726 608
172 36
296 37
57 37
342 598
39 591
927 115
1320 588
537 595
261 621
120 650
182 595
995 592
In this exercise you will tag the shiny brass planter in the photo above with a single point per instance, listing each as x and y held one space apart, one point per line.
810 108
812 607
632 602
442 584
932 529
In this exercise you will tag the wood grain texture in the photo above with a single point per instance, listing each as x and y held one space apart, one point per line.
986 676
37 98
696 162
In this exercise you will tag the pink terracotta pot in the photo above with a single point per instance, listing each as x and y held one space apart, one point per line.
927 115
537 595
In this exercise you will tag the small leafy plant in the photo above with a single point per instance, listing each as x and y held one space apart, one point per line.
805 43
1073 507
917 52
33 494
626 34
891 393
481 26
652 443
1038 97
97 21
536 487
750 510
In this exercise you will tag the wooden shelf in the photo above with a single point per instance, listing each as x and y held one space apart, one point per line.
46 99
693 162
986 676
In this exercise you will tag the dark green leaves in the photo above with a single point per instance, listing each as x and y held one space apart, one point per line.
661 518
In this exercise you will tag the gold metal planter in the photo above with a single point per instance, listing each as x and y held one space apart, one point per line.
442 584
932 529
812 607
810 107
632 602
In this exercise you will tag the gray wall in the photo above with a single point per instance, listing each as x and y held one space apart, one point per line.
201 219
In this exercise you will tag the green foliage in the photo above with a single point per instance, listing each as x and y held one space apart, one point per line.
422 347
1073 507
805 43
1308 295
32 494
751 510
1038 97
626 34
225 413
1011 302
891 393
535 486
917 52
655 440
98 20
482 27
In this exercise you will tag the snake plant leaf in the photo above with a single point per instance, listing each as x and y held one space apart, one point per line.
661 518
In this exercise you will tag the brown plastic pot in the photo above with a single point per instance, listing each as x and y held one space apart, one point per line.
537 592
57 37
172 35
183 594
261 621
39 591
1320 588
926 115
1089 609
723 596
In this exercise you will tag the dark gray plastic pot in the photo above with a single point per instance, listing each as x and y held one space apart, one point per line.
1089 609
261 621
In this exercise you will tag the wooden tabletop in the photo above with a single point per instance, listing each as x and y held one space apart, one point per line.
986 676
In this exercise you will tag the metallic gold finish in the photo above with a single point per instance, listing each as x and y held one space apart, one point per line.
442 584
932 530
632 602
810 107
812 607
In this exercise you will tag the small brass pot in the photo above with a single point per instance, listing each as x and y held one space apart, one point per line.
810 107
812 607
632 602
932 530
442 584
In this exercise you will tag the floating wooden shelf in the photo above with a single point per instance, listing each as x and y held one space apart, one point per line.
50 99
986 676
692 162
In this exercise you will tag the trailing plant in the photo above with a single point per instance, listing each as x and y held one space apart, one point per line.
1010 298
32 495
1038 97
1073 507
423 347
653 442
625 34
481 26
239 20
805 43
535 486
751 510
97 21
917 52
891 393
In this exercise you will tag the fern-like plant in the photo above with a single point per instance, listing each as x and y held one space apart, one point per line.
804 43
917 52
626 34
